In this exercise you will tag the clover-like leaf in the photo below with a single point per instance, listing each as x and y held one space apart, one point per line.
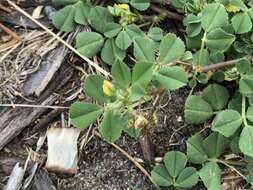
215 144
161 176
197 110
89 43
214 15
195 150
121 73
227 122
187 178
171 48
63 2
112 29
144 49
111 52
123 40
210 174
193 25
243 66
140 4
216 95
175 162
246 85
219 40
171 78
111 126
93 87
83 114
246 141
82 11
241 22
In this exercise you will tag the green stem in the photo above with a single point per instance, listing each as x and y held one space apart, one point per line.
202 48
244 111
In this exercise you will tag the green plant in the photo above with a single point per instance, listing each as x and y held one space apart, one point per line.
129 89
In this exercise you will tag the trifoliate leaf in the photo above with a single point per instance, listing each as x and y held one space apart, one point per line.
155 33
197 110
246 85
123 40
112 29
121 73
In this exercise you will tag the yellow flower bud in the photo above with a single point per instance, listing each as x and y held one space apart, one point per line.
124 6
232 8
108 88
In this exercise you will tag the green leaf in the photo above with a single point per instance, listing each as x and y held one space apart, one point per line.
171 78
121 73
123 40
64 19
236 102
134 31
216 95
160 176
112 29
241 22
214 16
227 122
171 48
140 4
210 174
187 178
111 126
111 53
246 85
81 13
175 162
141 76
132 132
93 87
195 150
197 110
144 49
243 65
84 114
193 25
89 43
99 17
246 141
249 114
155 33
63 2
219 40
214 145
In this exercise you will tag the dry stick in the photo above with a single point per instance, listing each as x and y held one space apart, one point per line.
167 13
33 106
101 70
219 65
10 32
130 158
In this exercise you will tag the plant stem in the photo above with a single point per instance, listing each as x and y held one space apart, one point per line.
244 111
202 48
219 65
10 32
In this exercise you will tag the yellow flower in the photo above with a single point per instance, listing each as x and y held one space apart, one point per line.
124 6
108 88
140 122
232 8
